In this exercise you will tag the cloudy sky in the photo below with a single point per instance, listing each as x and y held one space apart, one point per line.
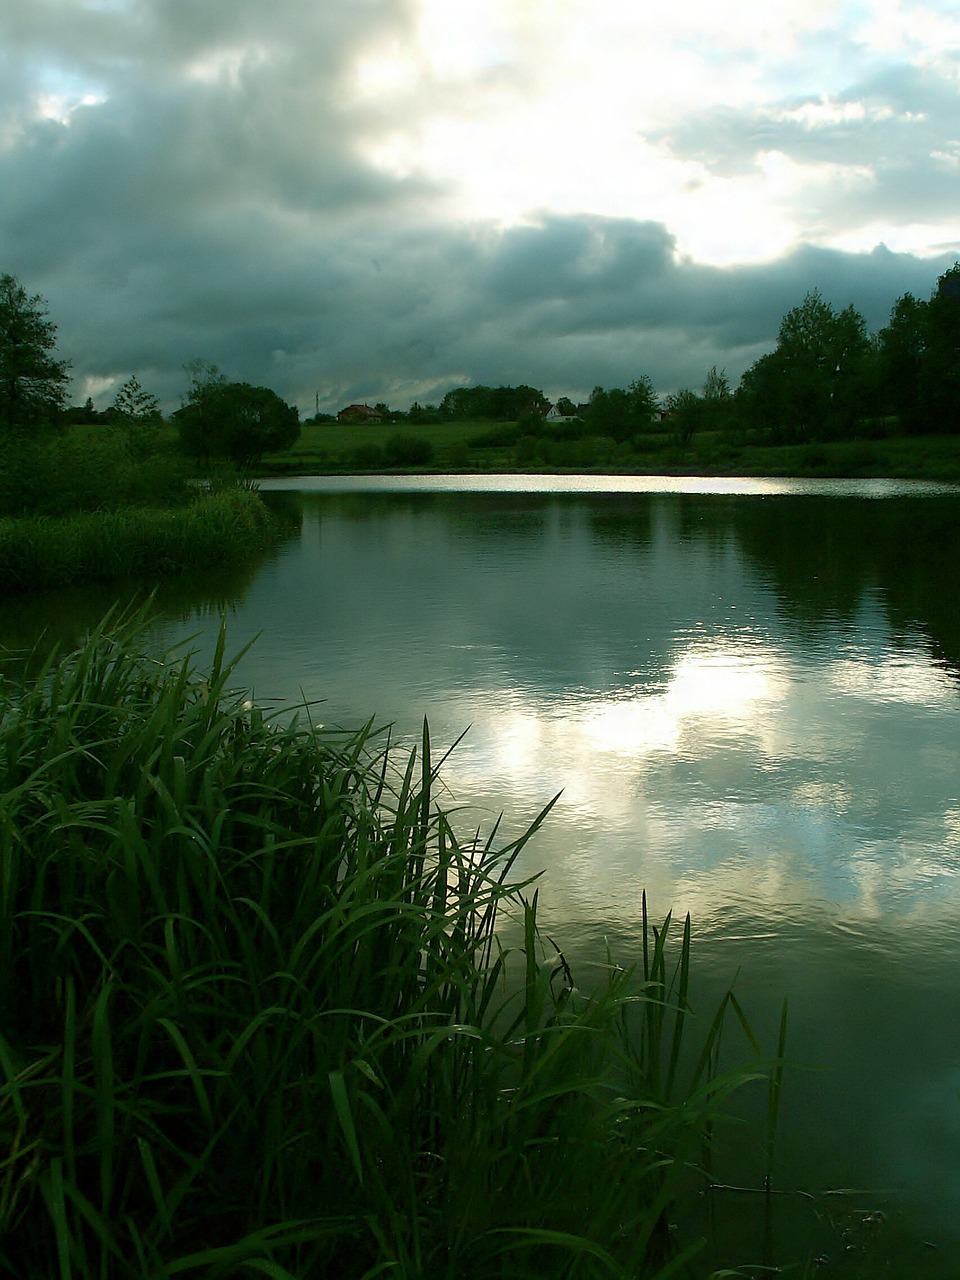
383 199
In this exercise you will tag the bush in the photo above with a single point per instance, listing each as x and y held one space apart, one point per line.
407 451
497 438
368 457
87 468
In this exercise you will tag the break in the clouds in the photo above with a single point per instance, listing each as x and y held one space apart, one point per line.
382 199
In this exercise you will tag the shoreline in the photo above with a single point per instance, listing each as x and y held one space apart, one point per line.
931 457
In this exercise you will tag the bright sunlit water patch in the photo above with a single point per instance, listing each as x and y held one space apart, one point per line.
708 690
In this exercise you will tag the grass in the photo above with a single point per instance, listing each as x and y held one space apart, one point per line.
487 446
337 446
256 1017
103 546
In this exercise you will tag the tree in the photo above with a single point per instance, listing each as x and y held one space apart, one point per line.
132 403
686 410
407 451
622 414
259 422
423 414
716 402
199 420
901 348
814 384
502 404
716 385
32 381
138 413
82 415
644 405
233 419
940 365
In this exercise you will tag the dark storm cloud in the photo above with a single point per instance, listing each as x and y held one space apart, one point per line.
216 199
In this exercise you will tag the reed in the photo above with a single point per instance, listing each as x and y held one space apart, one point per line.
219 527
256 1017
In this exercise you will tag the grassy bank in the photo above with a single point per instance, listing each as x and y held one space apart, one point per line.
256 1019
492 447
134 541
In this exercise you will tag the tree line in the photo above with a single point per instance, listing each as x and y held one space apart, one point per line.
218 418
826 378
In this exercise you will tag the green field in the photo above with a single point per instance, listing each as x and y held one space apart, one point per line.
468 446
332 445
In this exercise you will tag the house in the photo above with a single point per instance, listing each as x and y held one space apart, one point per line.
359 413
555 415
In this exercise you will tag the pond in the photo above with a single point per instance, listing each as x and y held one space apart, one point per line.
746 695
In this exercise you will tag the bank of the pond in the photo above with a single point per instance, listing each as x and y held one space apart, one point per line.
255 1014
465 447
134 542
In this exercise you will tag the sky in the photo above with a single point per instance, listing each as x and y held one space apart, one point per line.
382 200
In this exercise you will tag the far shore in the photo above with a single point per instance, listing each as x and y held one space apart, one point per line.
322 451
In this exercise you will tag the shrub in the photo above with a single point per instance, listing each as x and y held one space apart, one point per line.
407 451
87 468
368 457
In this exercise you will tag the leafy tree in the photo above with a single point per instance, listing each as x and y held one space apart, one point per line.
686 411
199 420
32 381
644 404
711 410
502 404
138 412
259 422
622 414
813 386
233 419
608 413
940 363
132 403
387 414
566 407
901 348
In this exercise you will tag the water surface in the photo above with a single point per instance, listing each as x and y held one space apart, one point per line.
745 693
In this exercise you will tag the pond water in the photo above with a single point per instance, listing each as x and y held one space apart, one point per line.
747 695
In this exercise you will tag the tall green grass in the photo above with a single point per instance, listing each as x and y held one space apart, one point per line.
219 528
86 467
256 1017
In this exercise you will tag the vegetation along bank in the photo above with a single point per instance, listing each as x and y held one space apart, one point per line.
831 399
105 500
256 1016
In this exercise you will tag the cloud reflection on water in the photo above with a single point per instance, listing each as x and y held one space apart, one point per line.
747 776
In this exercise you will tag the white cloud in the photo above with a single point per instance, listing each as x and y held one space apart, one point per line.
410 193
571 107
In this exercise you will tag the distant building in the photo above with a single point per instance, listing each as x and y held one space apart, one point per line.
359 413
554 414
